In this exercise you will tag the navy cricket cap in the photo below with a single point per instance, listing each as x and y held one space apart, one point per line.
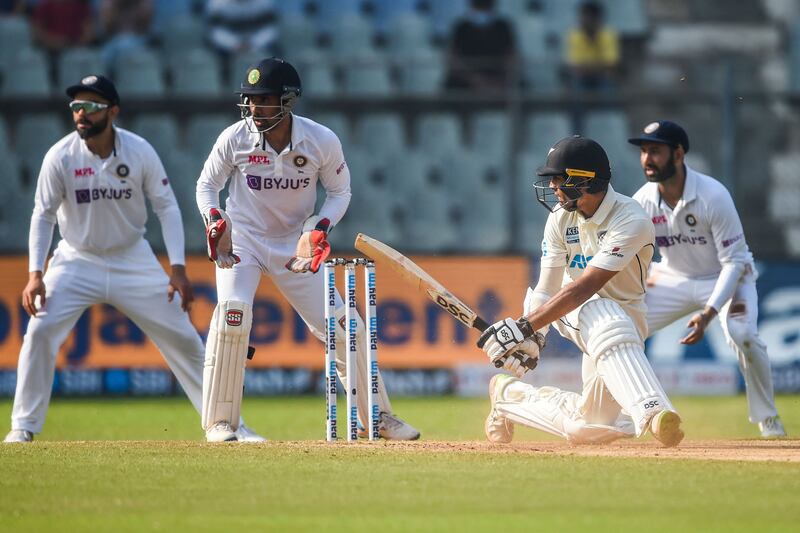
576 153
664 132
98 85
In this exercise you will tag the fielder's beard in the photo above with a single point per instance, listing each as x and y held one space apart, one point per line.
95 128
661 174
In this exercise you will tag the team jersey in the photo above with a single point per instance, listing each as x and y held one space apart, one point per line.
272 194
618 237
702 233
99 204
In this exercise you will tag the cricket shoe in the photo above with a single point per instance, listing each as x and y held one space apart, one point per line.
666 428
391 427
245 434
498 428
19 435
772 428
220 432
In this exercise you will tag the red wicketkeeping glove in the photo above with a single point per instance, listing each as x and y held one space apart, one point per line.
312 247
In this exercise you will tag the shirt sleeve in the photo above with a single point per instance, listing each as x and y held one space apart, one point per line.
158 190
622 243
726 229
50 193
335 178
554 248
216 171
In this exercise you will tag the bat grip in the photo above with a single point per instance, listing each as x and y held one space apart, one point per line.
529 362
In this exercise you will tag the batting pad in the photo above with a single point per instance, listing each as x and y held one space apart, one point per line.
362 376
223 372
612 340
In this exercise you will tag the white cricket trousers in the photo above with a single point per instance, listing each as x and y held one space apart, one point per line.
132 281
620 395
672 296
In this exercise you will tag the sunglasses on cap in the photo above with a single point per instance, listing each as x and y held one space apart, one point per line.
87 106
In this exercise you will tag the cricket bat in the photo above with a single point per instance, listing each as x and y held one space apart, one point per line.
387 256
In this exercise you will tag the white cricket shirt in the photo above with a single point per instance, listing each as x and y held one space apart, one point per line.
99 204
272 194
618 237
702 233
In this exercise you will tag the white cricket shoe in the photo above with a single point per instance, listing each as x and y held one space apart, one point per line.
220 432
498 428
19 435
666 428
392 427
245 434
772 428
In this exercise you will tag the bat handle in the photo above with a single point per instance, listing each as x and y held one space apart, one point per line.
528 362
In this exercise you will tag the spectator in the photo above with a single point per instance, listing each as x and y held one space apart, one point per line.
592 51
58 24
12 7
125 25
242 25
483 53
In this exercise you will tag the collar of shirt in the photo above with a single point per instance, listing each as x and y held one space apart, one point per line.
114 151
603 209
690 187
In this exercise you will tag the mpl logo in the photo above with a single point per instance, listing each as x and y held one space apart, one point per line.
258 160
83 172
234 317
660 219
580 261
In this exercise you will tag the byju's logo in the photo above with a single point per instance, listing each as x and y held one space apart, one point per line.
254 182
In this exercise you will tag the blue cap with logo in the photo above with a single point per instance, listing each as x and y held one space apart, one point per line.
96 84
664 132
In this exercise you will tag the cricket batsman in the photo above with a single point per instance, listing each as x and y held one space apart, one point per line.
274 160
706 266
596 249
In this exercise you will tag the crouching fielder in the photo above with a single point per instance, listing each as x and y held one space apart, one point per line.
604 240
274 160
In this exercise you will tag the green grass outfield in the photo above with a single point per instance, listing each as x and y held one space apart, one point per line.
169 480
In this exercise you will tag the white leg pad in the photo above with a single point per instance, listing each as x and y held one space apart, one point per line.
362 379
226 354
611 338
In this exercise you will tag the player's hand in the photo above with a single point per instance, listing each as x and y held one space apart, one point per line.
504 336
698 324
218 238
523 359
312 247
179 282
35 287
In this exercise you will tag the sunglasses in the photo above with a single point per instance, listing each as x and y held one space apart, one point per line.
88 107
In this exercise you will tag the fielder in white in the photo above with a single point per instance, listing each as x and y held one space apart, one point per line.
94 183
274 160
596 250
706 266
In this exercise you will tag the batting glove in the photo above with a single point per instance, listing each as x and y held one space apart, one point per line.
313 247
504 336
218 238
524 358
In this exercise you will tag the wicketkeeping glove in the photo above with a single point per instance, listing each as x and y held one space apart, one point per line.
218 238
313 247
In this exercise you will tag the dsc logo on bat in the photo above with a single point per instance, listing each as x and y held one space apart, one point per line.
452 308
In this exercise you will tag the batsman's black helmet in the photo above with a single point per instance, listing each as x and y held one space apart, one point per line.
271 76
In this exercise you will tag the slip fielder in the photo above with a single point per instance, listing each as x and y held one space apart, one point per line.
93 183
274 160
706 266
596 249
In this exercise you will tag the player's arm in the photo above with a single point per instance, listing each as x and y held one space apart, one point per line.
216 172
50 193
159 192
334 175
728 235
